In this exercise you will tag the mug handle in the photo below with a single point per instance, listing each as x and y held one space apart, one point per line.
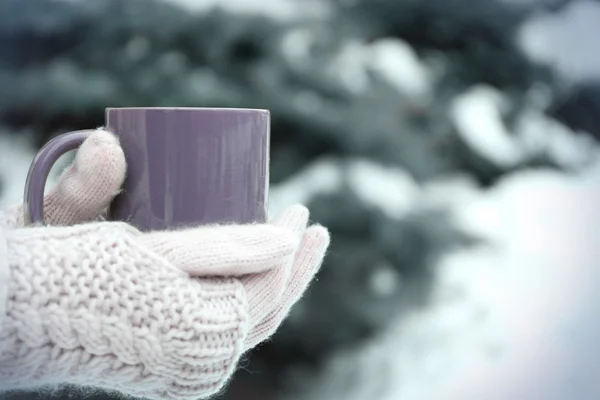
33 200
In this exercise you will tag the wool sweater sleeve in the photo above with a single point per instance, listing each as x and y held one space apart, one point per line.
90 306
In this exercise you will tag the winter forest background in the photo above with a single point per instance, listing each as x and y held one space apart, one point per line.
451 146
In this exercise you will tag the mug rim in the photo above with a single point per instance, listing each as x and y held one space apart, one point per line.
188 109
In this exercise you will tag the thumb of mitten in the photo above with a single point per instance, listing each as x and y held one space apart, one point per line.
306 264
265 290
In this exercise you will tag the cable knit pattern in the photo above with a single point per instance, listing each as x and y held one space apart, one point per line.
91 306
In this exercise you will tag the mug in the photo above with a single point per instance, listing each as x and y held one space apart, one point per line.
185 166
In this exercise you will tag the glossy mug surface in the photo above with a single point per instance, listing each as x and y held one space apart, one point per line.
185 166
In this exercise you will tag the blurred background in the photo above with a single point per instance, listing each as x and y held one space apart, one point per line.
451 146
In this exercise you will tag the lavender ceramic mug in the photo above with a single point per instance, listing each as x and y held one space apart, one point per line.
185 166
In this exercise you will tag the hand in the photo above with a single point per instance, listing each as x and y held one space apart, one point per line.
85 189
159 315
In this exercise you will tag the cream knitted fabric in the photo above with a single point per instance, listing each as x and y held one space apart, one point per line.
92 305
85 188
306 264
157 315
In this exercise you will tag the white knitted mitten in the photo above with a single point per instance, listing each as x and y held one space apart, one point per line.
101 304
85 189
156 315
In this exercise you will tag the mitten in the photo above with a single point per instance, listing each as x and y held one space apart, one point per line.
85 188
157 315
102 305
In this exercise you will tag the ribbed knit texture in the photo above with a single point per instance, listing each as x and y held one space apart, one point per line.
89 306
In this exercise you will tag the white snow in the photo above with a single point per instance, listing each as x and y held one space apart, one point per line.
477 115
297 43
568 40
365 178
535 285
516 318
350 66
280 9
392 60
539 134
397 62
